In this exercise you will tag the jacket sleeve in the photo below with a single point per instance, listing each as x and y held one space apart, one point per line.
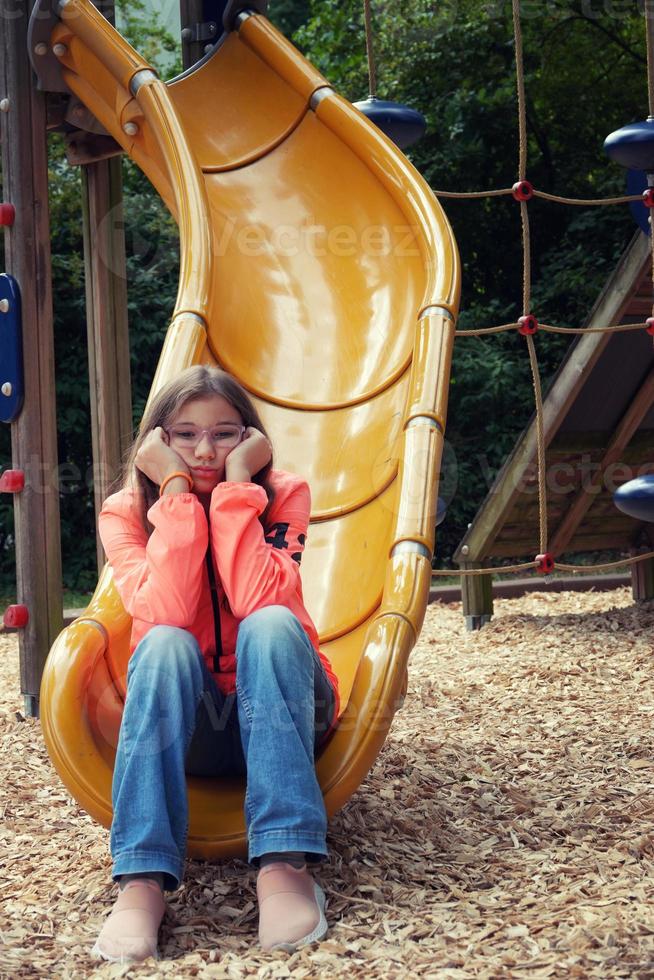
258 570
159 578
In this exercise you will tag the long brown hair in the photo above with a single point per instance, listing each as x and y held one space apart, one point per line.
194 382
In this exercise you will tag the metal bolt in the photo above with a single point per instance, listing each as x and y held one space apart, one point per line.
4 306
130 128
41 48
6 388
208 48
60 49
212 28
465 549
187 34
79 110
4 105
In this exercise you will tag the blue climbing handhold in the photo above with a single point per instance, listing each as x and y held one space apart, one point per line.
633 145
403 125
636 498
12 381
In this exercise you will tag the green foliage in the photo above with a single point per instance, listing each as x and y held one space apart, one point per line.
288 15
585 75
143 29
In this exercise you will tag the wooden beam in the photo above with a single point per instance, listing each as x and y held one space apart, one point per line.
82 148
570 378
107 326
523 549
642 580
107 330
477 598
632 418
34 433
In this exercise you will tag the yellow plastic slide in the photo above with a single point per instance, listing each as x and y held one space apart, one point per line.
318 268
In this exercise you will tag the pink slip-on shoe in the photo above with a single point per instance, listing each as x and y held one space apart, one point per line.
130 932
291 907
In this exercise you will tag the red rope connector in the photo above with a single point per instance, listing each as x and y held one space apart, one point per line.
16 617
545 563
7 215
648 197
12 481
527 324
649 325
522 190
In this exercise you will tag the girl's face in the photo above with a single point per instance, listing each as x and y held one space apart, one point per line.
205 452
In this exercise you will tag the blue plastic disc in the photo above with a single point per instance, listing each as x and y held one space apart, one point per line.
403 125
636 498
11 350
633 145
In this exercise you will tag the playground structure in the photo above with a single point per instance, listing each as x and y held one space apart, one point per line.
344 345
598 432
499 528
76 51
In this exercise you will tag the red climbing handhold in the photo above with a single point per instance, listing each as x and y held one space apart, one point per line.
16 617
527 324
648 197
545 563
522 190
7 215
12 481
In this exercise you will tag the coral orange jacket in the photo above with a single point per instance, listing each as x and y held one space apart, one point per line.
164 579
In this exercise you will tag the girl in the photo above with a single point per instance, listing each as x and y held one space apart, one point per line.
225 675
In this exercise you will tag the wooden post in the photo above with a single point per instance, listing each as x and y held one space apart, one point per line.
642 580
477 597
192 13
34 433
106 319
107 326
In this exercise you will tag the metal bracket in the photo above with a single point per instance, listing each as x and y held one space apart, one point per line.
236 7
79 117
193 33
411 547
43 20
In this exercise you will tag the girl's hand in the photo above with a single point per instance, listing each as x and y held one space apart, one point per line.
156 459
251 454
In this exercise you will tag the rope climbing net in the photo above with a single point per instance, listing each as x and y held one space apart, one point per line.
528 325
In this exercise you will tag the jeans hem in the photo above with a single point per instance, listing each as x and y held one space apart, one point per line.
135 862
314 845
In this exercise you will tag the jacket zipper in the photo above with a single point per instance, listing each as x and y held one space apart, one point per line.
216 613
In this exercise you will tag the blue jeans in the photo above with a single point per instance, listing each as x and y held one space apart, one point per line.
177 721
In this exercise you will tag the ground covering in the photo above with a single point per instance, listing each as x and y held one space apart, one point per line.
506 829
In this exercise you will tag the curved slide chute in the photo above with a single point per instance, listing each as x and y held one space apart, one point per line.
319 269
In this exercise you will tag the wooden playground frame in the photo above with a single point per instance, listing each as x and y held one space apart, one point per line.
26 116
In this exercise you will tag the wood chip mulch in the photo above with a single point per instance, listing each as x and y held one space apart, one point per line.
506 829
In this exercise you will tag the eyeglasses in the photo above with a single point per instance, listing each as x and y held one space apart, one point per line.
226 436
